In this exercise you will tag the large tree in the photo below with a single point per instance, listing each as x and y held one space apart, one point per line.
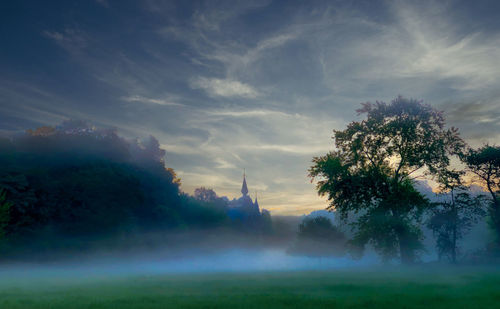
484 163
371 173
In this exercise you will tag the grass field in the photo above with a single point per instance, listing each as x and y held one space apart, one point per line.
384 288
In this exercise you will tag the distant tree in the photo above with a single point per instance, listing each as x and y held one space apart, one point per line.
75 186
484 163
23 212
267 222
176 180
152 146
202 214
77 180
210 209
373 169
205 194
148 151
451 219
318 237
42 131
319 228
454 216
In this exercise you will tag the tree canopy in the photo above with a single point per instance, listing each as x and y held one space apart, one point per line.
74 183
373 168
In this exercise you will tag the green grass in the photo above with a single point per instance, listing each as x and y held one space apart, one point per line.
414 288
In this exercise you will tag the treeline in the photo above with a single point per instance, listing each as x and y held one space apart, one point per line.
371 182
69 186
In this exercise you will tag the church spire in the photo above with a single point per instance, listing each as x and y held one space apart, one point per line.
244 188
256 204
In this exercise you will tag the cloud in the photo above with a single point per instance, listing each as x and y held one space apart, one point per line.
272 79
237 59
422 42
213 45
225 88
478 118
72 40
441 50
141 99
221 163
303 149
299 202
207 178
250 113
180 149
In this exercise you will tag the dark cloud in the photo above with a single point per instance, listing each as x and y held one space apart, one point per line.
478 117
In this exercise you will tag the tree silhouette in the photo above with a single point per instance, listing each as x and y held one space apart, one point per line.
205 194
372 172
452 217
484 163
318 237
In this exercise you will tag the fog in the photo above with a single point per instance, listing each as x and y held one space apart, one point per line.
167 263
87 203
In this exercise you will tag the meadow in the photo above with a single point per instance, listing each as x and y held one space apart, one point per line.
430 287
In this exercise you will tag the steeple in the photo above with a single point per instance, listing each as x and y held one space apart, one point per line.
256 202
244 188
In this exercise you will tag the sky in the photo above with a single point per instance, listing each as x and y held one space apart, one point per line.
255 85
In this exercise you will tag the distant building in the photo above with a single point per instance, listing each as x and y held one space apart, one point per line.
244 208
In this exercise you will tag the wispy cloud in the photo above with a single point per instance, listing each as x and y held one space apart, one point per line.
440 50
207 178
303 149
72 40
221 163
141 99
424 41
181 149
238 59
250 113
225 88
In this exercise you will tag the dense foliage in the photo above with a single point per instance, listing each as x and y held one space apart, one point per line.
371 173
318 237
81 183
451 218
484 164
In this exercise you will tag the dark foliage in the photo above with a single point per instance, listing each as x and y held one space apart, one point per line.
81 183
484 163
371 172
452 218
318 237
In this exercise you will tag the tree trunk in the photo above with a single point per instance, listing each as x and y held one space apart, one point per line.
454 249
406 252
495 220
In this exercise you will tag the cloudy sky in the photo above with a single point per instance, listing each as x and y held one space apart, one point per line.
227 85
